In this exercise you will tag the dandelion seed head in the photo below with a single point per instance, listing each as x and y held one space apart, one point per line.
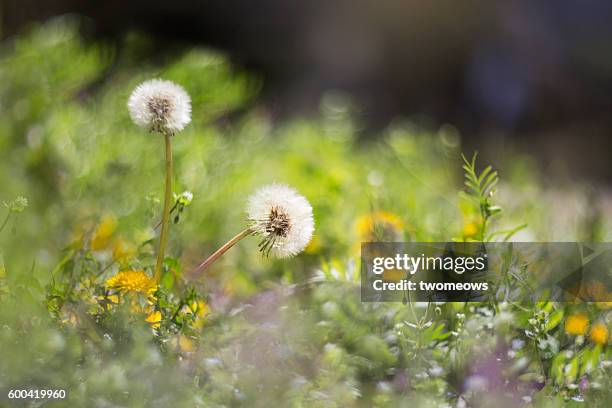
160 106
283 218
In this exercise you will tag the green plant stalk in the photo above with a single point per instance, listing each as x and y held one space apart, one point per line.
163 236
217 254
485 219
8 216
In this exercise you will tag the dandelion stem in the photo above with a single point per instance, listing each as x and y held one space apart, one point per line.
163 236
217 254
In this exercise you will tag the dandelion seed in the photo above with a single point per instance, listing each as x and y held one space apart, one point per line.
283 218
160 106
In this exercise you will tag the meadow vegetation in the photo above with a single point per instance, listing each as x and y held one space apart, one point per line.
83 188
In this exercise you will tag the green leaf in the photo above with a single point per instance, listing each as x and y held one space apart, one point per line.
554 319
484 174
168 280
571 370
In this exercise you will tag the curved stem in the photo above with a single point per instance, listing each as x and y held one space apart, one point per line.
163 236
217 254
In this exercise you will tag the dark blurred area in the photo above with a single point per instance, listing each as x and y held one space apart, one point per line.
532 74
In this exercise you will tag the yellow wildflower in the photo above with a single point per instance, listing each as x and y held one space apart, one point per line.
393 275
110 298
154 318
183 343
199 308
80 231
108 301
599 334
123 250
103 232
470 230
133 281
576 325
379 225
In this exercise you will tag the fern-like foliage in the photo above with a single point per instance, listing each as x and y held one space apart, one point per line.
480 190
481 187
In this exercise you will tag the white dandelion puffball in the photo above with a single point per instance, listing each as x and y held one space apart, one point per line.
283 218
160 106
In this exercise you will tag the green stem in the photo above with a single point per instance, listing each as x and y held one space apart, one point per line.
484 227
163 236
5 220
217 254
414 316
176 203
